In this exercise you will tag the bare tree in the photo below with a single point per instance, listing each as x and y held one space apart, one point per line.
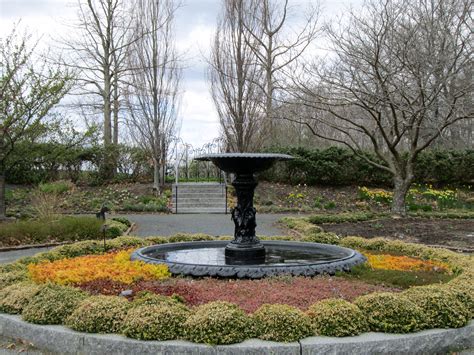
276 45
98 56
153 90
400 77
235 76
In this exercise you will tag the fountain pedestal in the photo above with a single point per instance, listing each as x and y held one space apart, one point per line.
246 247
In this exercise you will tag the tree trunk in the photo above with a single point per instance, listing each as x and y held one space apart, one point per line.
2 196
156 177
400 191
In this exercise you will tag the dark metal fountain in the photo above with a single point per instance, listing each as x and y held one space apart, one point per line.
246 255
246 247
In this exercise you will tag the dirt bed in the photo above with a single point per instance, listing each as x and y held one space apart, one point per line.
448 232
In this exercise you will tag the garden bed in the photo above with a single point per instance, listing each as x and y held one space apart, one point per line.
58 229
353 306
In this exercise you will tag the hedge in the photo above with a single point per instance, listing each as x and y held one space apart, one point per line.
340 166
157 317
67 228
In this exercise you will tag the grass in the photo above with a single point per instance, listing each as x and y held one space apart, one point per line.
395 278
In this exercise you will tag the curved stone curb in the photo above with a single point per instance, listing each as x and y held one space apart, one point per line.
66 341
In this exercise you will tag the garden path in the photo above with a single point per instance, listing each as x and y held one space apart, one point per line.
213 224
169 224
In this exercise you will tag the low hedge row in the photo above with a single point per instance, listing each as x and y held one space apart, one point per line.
61 229
340 166
154 317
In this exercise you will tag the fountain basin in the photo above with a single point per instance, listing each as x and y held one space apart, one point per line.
207 258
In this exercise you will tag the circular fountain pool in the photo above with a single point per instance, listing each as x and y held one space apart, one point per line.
207 258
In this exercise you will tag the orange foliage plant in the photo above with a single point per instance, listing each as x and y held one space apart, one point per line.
113 266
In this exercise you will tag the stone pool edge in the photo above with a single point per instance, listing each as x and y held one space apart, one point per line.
63 340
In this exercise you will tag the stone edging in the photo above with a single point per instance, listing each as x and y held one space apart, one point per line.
310 268
66 341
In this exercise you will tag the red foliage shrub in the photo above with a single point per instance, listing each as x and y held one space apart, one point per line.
300 292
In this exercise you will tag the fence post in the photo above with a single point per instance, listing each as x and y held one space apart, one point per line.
225 188
176 199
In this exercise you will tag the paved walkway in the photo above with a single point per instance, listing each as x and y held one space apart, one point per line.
213 224
169 224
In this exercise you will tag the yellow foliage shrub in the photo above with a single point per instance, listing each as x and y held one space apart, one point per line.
113 266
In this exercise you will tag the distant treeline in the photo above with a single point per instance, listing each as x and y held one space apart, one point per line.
31 163
340 166
41 162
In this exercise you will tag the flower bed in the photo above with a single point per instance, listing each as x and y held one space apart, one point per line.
114 266
219 322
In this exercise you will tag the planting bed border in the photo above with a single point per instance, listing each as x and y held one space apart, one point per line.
66 341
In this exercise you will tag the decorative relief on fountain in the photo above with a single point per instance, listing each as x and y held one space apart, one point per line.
244 213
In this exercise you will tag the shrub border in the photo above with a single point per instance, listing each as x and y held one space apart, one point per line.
64 340
462 265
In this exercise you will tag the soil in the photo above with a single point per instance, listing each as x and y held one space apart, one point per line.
458 233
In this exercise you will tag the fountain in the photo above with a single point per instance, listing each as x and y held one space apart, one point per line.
246 255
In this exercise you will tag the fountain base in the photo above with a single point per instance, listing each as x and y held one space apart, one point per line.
242 254
209 258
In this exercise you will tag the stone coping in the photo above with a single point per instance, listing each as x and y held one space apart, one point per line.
257 271
63 340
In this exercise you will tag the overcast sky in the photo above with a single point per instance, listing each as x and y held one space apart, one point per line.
195 25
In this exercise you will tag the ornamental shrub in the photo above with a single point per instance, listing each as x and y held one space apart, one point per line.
464 291
15 297
99 314
391 313
218 322
337 318
323 237
442 306
123 220
11 277
279 322
184 237
301 225
156 322
53 304
127 242
152 299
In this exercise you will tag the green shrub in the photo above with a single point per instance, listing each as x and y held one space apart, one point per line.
86 247
123 220
341 166
442 306
218 323
99 314
323 237
147 298
341 217
155 322
51 230
11 277
391 313
337 318
127 242
278 322
185 237
15 297
464 291
53 304
301 225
